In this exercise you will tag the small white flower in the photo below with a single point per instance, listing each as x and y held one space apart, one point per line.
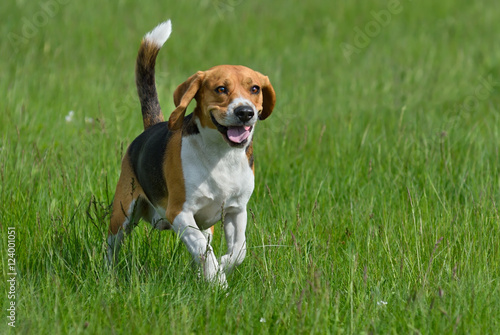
69 117
381 303
262 320
89 120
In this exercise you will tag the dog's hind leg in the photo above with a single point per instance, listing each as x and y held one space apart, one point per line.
128 208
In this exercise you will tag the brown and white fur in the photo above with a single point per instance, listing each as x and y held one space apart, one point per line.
186 173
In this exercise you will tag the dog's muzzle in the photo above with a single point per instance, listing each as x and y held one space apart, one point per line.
238 135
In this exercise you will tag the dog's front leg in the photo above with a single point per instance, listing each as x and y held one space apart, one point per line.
199 247
234 229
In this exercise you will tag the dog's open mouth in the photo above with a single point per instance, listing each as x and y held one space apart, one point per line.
236 136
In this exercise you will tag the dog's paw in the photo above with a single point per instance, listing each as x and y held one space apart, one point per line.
213 272
217 278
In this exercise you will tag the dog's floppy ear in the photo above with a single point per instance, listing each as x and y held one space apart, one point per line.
183 95
269 97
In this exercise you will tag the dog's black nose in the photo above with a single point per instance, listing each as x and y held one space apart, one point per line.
244 113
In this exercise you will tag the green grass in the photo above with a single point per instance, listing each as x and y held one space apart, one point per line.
378 176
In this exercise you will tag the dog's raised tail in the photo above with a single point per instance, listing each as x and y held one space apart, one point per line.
145 73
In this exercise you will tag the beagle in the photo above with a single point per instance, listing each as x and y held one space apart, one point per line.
190 172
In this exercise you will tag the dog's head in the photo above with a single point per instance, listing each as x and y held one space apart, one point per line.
229 98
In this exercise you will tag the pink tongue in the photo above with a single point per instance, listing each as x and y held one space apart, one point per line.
238 134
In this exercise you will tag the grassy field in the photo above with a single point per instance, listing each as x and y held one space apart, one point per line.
377 200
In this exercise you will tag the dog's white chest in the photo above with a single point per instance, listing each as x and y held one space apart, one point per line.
215 181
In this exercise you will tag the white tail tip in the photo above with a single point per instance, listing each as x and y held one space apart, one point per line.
160 34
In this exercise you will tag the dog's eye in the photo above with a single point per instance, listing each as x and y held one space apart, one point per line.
221 90
255 89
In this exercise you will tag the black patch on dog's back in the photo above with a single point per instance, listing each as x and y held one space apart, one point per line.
147 155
